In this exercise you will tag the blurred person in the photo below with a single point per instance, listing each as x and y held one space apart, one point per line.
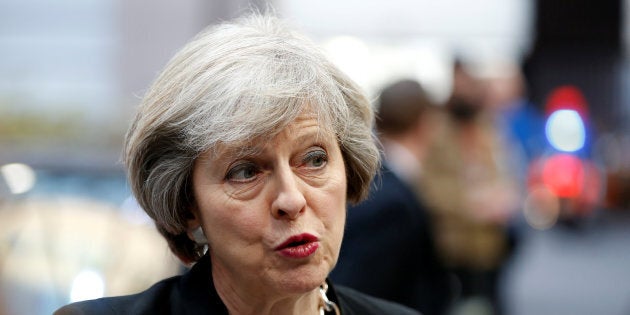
244 152
519 124
519 129
472 193
398 253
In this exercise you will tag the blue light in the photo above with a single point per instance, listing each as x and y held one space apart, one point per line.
565 130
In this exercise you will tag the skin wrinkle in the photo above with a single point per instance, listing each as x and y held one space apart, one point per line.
250 99
232 296
288 196
233 82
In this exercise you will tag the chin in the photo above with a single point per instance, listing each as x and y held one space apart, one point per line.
304 280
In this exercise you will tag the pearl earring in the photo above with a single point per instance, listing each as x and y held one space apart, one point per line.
198 236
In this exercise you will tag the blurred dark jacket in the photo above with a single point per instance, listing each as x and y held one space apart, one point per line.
388 251
194 293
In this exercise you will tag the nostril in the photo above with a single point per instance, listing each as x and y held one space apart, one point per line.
287 214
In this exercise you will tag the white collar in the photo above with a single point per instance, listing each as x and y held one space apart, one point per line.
402 162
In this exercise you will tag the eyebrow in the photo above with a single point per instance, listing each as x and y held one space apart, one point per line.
242 149
236 151
318 136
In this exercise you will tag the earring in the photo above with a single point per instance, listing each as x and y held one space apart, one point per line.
198 236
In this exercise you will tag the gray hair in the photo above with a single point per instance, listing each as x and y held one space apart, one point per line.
237 81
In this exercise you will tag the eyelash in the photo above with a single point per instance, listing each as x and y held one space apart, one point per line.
309 157
316 154
245 166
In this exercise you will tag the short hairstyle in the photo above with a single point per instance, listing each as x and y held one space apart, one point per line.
238 81
400 105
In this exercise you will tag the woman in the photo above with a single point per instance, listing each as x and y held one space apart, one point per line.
244 152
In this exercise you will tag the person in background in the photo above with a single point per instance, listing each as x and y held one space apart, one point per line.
245 152
388 248
472 192
519 123
520 131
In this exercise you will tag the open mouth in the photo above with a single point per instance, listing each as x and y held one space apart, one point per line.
299 246
297 240
298 243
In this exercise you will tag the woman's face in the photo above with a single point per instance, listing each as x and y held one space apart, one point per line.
274 217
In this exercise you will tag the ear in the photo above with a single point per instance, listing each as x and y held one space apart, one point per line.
194 230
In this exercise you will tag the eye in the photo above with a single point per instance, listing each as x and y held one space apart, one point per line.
316 158
243 172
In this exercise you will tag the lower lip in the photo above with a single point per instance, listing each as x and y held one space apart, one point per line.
301 251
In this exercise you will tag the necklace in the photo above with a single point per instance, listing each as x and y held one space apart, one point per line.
326 305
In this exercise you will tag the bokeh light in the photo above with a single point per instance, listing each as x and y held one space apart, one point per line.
20 178
541 208
565 130
563 174
88 284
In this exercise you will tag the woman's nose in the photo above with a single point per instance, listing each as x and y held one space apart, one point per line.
289 201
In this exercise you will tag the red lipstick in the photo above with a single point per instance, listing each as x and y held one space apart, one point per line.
299 246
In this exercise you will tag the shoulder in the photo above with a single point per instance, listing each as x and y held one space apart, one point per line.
155 299
191 293
393 202
355 302
389 188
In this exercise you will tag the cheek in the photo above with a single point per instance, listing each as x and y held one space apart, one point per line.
335 224
338 226
231 222
334 209
341 219
341 195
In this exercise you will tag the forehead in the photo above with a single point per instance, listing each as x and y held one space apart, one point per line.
307 126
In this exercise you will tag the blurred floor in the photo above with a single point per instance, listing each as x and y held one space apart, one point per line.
572 269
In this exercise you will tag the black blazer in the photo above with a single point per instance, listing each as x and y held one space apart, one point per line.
194 293
388 249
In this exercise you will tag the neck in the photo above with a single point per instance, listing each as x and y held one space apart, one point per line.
413 144
243 298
